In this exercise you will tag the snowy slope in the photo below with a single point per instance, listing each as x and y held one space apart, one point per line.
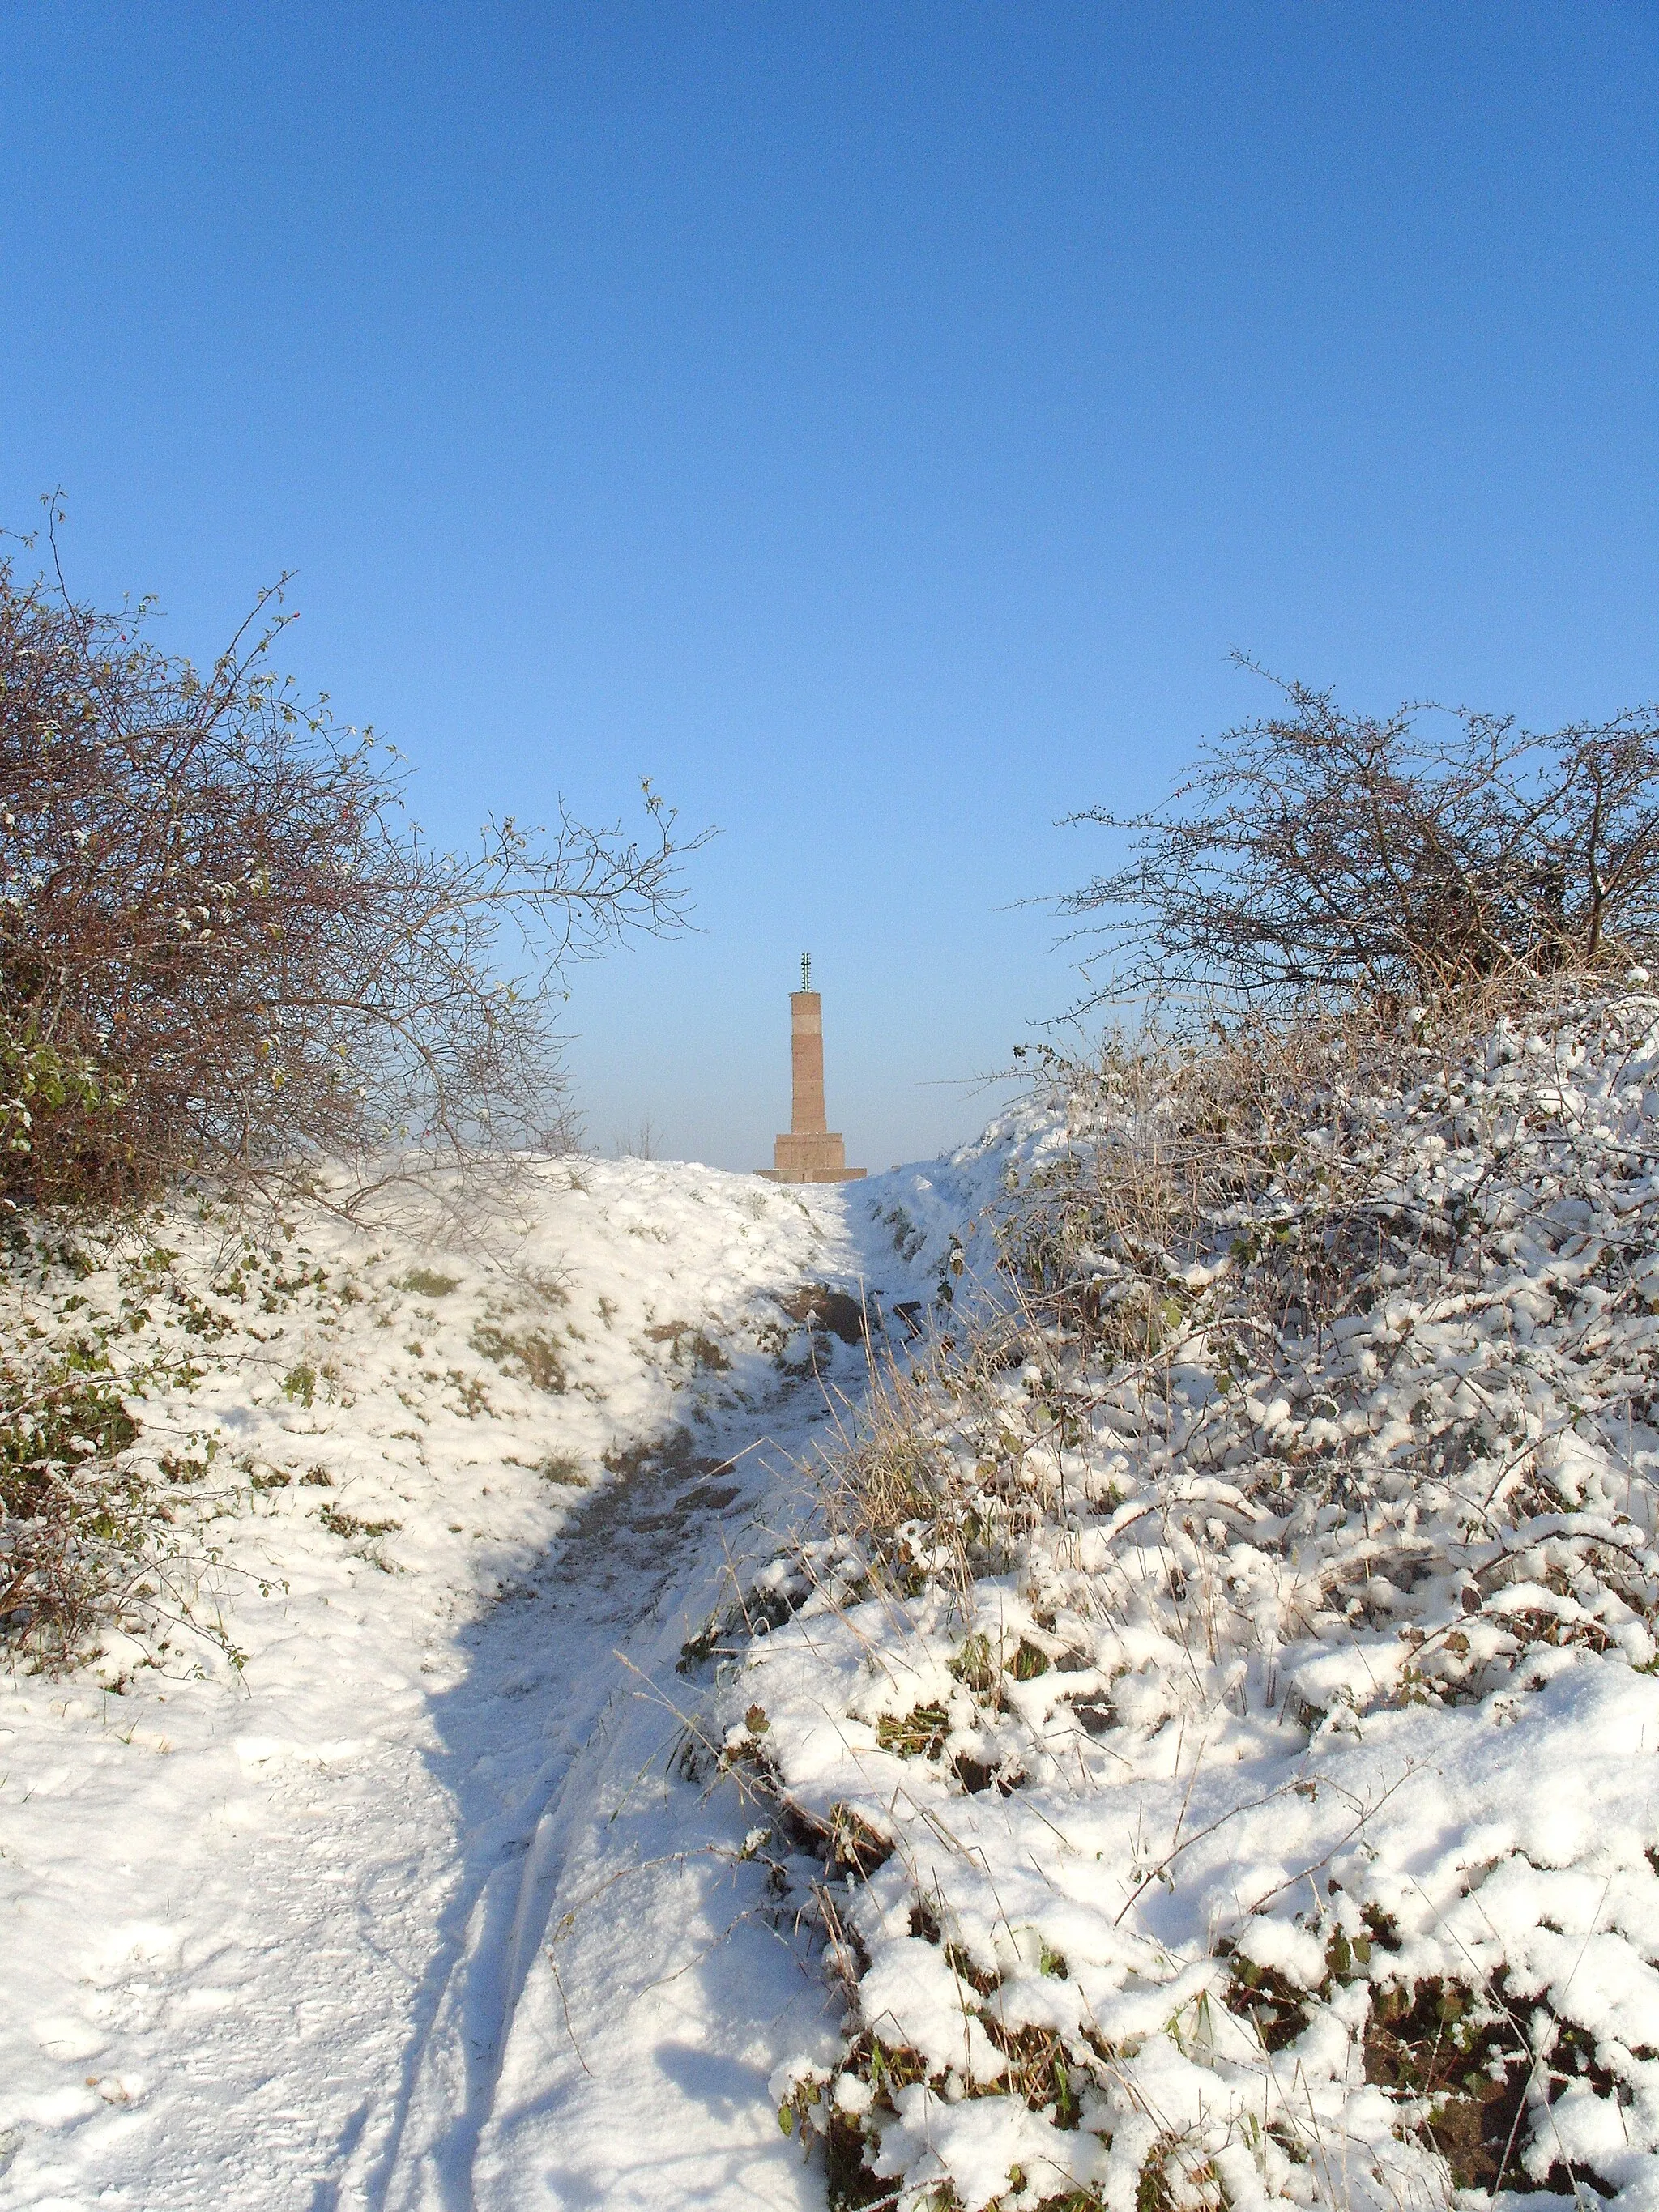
279 1910
1238 1770
1235 1787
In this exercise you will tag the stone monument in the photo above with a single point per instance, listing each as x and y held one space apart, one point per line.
811 1152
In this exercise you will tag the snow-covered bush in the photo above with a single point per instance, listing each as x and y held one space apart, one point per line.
91 1538
74 1527
1226 1701
224 948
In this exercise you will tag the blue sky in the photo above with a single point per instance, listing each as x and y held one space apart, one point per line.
875 423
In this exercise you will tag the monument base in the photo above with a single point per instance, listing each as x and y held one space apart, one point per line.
819 1155
813 1174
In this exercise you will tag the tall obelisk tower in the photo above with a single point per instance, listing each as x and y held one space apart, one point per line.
812 1152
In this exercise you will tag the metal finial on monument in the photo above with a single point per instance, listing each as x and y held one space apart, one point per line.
806 971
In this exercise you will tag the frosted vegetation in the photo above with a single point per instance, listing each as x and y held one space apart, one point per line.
1190 1716
1223 1694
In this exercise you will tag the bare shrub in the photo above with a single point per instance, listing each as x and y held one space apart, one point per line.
224 948
1316 849
643 1142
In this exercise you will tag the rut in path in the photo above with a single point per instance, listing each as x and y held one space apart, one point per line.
556 1676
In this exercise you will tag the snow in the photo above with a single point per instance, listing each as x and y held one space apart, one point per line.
1239 1789
283 1909
1249 1692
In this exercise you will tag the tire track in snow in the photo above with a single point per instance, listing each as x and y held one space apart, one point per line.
676 1983
648 1551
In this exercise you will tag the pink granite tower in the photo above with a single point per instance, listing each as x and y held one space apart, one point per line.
812 1152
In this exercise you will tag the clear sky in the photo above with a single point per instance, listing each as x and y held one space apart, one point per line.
875 423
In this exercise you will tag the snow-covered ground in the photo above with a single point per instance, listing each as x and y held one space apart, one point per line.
1234 1714
1207 1761
397 1890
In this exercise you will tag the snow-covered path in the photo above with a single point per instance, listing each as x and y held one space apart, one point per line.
429 1915
625 2060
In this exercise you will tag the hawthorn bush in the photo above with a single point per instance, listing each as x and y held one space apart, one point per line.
226 951
1317 849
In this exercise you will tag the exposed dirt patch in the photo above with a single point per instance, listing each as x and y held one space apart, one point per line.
815 1306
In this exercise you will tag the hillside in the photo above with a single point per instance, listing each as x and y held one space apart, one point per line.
1182 1736
1227 1702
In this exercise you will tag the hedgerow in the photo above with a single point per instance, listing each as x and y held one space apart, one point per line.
230 963
224 950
